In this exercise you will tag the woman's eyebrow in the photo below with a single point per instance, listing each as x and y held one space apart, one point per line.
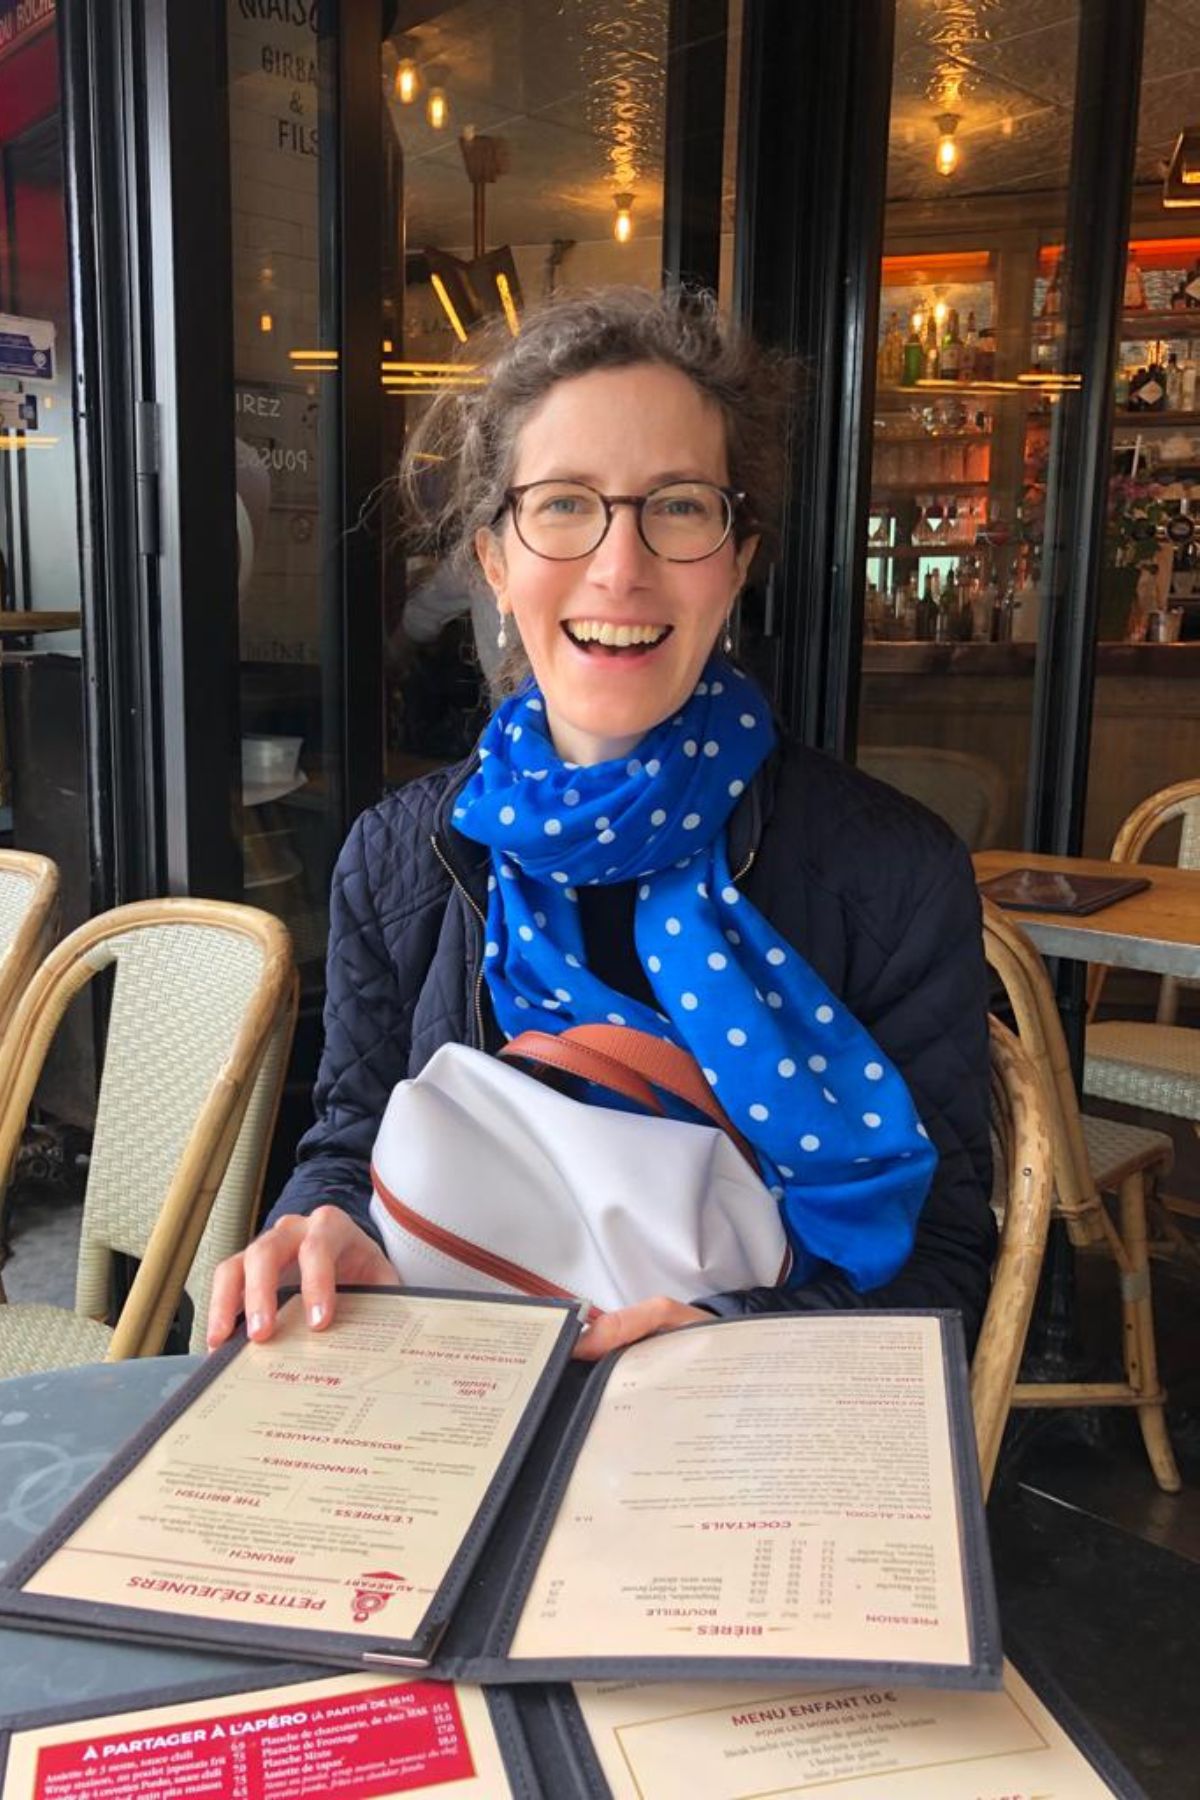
660 479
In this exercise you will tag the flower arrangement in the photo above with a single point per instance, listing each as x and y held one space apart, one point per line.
1135 514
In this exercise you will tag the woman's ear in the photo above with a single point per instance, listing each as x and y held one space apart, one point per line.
491 559
743 557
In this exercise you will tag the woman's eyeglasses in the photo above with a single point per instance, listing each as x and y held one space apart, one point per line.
684 521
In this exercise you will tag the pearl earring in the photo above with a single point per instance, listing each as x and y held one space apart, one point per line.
727 640
502 634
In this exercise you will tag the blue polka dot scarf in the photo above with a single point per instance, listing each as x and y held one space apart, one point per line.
833 1125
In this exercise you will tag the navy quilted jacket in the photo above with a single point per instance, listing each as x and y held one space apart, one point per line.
873 890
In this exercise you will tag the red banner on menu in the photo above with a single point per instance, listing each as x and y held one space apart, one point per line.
352 1746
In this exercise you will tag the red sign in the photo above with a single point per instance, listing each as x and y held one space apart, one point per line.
382 1740
21 20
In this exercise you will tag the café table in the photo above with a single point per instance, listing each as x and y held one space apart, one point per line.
1156 930
57 1430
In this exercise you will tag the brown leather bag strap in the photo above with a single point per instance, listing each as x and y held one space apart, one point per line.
644 1063
557 1051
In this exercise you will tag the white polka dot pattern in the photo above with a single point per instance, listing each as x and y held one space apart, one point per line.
781 1049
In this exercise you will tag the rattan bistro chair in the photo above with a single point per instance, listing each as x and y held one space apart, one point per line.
28 919
1021 1189
203 1007
1154 1066
1092 1157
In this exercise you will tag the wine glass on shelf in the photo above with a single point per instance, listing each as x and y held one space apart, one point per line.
880 523
921 533
935 516
950 526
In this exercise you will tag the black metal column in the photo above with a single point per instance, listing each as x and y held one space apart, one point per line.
187 462
697 48
1101 174
352 227
816 86
117 587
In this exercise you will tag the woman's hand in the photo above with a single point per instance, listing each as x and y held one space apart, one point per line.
612 1330
326 1246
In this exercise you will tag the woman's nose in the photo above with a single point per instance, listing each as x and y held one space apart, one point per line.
621 558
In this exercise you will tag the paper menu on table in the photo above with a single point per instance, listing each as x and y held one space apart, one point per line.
748 1493
325 1481
353 1735
748 1742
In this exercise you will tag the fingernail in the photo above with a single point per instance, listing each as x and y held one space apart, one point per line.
256 1322
316 1316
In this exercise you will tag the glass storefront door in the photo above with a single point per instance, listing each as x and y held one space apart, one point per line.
968 396
43 792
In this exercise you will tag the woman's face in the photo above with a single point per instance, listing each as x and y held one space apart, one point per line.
622 431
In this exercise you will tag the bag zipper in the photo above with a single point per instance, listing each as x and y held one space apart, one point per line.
462 1250
469 898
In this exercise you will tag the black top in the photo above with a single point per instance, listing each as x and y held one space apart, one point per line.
606 914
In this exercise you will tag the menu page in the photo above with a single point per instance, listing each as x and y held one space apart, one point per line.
753 1489
744 1743
354 1735
322 1479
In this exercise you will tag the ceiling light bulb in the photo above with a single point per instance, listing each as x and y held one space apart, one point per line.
623 223
947 150
437 108
407 83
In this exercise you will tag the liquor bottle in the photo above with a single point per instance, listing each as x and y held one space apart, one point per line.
1002 615
1187 386
1192 286
891 353
1052 298
985 356
932 367
969 361
927 612
914 359
1179 296
1135 287
1174 385
1147 390
1121 390
951 361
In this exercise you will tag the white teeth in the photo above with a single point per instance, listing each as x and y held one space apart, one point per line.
619 637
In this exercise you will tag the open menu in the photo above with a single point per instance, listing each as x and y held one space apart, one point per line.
371 1735
637 1742
790 1497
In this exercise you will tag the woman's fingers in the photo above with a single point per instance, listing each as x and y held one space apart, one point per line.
326 1246
629 1323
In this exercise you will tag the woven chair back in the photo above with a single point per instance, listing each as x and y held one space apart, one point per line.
969 792
1026 984
1023 1186
1180 801
28 921
203 1004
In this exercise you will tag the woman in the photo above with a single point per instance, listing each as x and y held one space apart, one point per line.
811 936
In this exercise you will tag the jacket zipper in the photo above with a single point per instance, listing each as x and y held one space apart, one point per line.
462 1250
481 1039
746 866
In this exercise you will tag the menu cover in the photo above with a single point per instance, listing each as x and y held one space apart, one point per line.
635 1742
355 1735
1042 890
793 1496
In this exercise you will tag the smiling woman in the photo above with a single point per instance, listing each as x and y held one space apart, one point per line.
632 843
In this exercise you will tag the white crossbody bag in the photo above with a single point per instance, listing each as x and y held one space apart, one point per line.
491 1181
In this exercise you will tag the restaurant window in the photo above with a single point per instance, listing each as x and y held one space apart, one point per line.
967 395
285 421
1146 716
43 803
525 144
